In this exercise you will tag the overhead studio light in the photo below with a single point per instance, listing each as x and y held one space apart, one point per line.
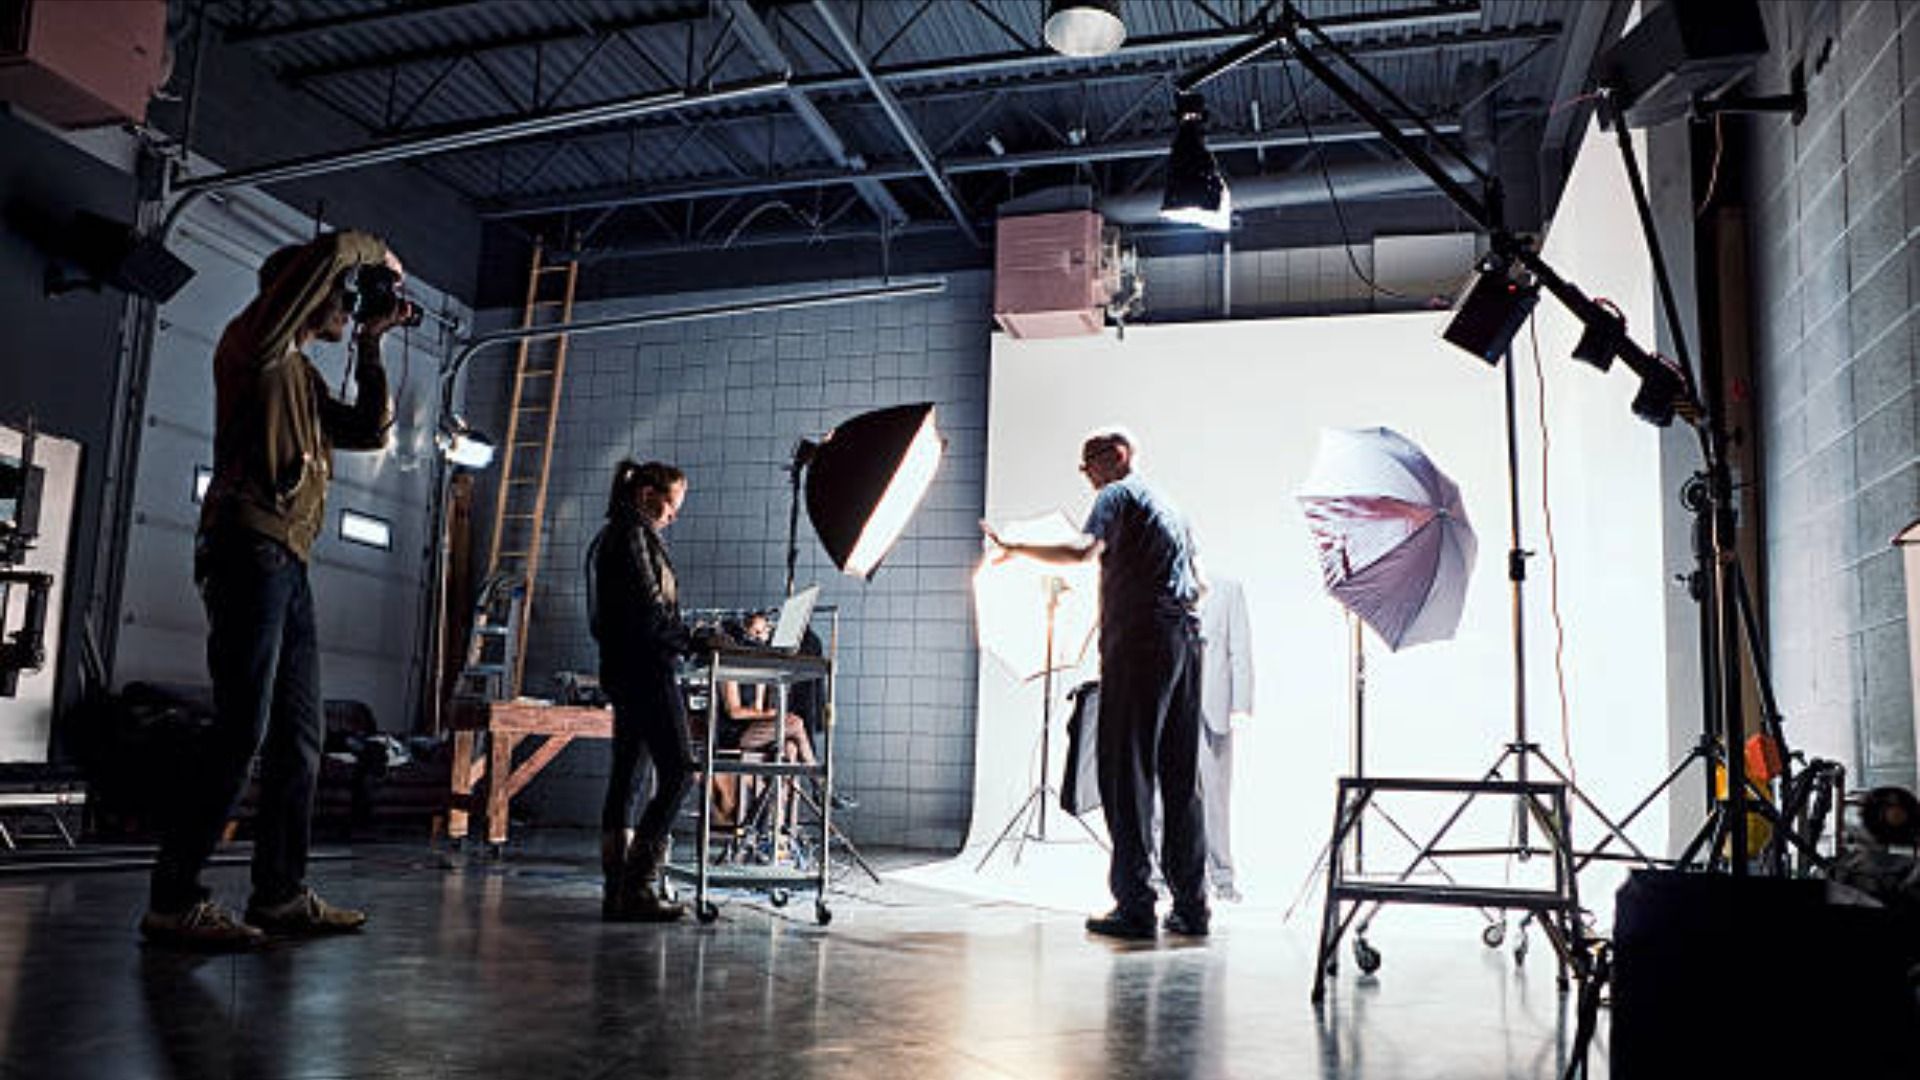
463 446
1196 192
1084 27
864 480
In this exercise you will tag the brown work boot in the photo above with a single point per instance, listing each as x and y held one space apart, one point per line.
613 868
640 899
645 904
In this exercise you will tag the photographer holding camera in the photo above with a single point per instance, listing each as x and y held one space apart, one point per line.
276 427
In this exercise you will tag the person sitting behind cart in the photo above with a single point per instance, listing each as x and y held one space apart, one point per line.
749 712
749 715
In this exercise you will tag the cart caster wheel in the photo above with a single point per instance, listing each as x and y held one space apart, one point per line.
778 897
708 912
821 915
1520 952
1494 935
1366 956
1333 967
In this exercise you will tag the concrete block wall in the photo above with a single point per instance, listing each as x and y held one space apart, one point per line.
726 399
1836 247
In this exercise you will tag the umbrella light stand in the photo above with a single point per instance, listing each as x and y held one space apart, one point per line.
1355 840
1520 753
1031 817
1357 745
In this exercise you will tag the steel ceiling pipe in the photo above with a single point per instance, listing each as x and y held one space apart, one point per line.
1070 155
1367 180
828 298
405 149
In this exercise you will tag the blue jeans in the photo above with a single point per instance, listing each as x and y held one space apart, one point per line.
263 658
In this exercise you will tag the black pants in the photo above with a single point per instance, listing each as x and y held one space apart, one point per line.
263 658
1150 735
650 714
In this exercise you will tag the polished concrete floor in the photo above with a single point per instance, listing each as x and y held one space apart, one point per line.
504 970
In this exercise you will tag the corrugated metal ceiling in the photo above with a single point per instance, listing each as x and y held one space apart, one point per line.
972 75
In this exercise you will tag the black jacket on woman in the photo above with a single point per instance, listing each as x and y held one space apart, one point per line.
633 602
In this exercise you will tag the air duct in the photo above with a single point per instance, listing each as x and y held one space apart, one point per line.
1367 180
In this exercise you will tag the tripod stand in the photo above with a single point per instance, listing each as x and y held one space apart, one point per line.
1521 754
1804 804
1031 817
1718 584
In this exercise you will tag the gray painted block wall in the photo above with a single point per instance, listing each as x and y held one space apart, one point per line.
727 399
1836 243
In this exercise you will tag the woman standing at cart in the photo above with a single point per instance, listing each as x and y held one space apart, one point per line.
634 612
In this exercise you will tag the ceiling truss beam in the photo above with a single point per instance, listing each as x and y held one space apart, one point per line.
752 30
1221 142
1031 69
897 115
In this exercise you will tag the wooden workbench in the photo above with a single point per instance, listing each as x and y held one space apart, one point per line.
505 724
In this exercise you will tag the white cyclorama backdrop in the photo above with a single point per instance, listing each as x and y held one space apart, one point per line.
1228 415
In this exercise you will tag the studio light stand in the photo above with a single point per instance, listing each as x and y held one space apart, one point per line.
1031 816
1664 391
1728 628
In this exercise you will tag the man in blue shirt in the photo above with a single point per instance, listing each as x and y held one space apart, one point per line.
1150 688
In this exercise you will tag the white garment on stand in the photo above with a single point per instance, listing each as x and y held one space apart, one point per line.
1226 694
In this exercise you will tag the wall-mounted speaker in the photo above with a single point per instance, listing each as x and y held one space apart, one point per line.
111 253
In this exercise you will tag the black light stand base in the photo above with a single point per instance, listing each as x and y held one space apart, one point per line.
835 836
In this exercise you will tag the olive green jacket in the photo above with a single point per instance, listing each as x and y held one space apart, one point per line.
275 421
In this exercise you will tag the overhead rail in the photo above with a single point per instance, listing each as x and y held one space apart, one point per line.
185 191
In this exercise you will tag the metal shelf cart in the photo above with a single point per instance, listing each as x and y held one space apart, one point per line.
779 876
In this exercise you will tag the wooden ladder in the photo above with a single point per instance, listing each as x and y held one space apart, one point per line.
496 648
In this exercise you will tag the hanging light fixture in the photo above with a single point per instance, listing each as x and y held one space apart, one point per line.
1196 193
864 479
1084 27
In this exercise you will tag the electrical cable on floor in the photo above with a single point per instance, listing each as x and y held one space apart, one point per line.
1340 216
1553 560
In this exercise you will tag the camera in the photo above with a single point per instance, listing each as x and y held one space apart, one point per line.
375 292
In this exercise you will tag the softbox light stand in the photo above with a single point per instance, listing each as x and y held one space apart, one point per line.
802 457
1031 816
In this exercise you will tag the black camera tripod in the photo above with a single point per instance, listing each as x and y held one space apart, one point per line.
1807 797
1729 633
